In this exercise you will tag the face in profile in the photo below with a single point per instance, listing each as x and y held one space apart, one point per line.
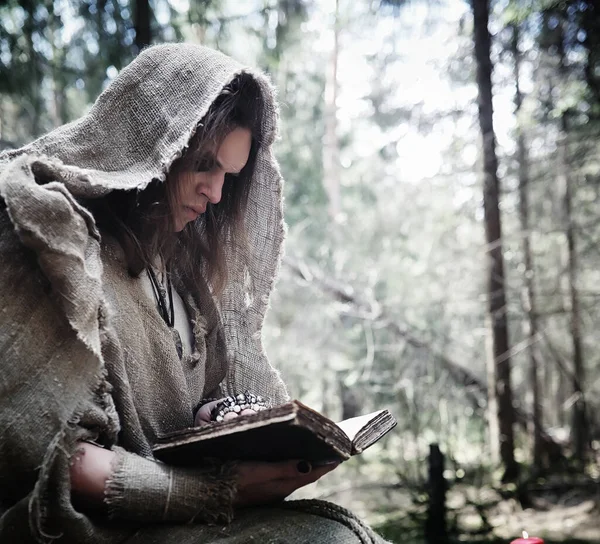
196 189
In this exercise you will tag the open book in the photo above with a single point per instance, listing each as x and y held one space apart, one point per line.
289 431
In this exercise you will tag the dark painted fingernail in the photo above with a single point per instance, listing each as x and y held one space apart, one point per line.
303 467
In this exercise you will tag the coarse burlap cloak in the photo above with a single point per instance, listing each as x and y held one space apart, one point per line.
85 355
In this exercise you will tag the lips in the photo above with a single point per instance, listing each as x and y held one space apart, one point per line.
196 210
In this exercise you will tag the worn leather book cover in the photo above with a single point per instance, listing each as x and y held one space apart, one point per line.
289 431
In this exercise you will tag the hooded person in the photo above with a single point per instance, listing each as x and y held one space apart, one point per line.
139 246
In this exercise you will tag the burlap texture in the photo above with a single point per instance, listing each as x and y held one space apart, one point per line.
84 355
140 489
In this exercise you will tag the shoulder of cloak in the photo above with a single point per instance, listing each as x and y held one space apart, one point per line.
62 234
50 277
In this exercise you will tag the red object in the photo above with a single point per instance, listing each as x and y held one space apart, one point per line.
528 540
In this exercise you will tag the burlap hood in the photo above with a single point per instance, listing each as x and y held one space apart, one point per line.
144 119
132 134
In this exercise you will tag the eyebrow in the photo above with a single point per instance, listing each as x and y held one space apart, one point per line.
220 165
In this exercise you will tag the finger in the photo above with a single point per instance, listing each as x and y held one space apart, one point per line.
292 470
297 469
260 495
308 472
250 473
247 412
203 414
291 484
229 415
277 490
266 492
319 472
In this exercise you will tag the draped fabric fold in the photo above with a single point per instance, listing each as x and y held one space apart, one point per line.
51 327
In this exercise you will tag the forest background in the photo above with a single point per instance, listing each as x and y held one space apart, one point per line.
440 262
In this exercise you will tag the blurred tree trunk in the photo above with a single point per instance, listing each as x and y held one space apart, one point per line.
349 397
326 405
60 108
35 73
197 17
590 23
579 423
288 14
331 152
143 32
499 359
561 397
551 41
530 325
492 397
435 524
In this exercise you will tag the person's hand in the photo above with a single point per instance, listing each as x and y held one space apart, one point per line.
203 414
263 483
90 467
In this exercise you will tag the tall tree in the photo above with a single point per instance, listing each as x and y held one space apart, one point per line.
500 389
530 321
143 32
287 15
331 148
60 109
588 16
555 43
579 423
30 29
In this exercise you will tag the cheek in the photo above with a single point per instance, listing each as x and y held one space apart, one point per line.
184 186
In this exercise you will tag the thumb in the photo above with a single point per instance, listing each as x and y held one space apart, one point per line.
203 414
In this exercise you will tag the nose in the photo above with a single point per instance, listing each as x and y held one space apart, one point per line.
213 190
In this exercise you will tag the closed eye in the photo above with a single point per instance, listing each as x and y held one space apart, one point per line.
205 165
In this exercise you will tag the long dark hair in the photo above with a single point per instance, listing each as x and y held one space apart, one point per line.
142 221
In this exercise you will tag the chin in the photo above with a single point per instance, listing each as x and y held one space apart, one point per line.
179 225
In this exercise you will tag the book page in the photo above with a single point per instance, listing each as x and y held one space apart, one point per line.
354 425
